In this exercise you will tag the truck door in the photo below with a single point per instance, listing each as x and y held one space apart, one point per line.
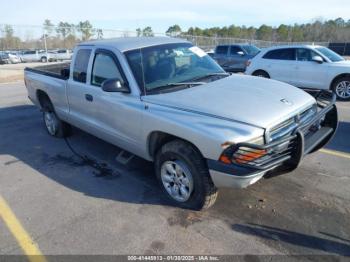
221 54
117 114
111 116
236 59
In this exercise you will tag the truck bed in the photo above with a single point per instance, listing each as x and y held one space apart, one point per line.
54 70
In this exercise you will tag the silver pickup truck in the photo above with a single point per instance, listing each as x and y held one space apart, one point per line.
167 101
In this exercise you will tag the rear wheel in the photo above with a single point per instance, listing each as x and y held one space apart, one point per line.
54 126
261 73
43 59
341 87
184 176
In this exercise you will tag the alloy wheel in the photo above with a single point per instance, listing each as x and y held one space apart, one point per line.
343 89
177 180
51 122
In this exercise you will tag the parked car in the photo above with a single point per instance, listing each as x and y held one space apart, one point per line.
4 58
14 58
167 101
62 54
37 56
304 66
233 58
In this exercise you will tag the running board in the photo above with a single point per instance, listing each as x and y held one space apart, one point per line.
124 157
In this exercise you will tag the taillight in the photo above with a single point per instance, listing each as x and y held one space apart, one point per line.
248 63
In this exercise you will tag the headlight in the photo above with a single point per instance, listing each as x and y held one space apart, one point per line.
243 155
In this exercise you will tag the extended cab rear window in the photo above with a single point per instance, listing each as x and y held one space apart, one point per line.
281 54
81 64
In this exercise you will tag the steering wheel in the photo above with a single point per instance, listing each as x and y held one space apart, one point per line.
182 69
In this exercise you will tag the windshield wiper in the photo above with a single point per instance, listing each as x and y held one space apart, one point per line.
211 74
190 84
169 85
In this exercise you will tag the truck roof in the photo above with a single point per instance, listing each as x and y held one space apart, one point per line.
130 43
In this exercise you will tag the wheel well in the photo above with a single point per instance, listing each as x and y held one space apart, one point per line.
260 70
338 77
42 96
157 139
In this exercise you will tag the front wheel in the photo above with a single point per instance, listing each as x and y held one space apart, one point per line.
341 87
43 59
184 176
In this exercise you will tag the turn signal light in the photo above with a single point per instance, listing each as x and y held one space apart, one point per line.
225 159
242 157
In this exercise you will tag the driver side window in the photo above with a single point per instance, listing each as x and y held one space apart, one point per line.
104 68
235 49
305 55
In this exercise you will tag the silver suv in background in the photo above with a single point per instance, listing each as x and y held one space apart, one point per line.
37 56
234 58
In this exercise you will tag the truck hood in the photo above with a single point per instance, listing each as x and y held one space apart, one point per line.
252 100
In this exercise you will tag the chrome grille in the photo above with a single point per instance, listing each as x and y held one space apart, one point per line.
287 127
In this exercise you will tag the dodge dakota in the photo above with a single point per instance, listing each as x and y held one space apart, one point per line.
167 101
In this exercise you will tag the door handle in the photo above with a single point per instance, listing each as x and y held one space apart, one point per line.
89 97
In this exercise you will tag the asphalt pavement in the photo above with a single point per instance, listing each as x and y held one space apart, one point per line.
67 207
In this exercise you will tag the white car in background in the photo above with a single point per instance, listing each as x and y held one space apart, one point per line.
304 66
14 58
62 54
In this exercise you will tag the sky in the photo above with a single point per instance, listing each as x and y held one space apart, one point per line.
131 14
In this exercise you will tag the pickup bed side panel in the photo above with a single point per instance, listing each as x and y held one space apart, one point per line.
55 88
206 133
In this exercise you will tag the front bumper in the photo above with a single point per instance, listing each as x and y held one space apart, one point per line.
287 152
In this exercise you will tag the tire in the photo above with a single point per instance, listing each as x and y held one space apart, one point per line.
43 59
261 73
341 88
54 126
194 179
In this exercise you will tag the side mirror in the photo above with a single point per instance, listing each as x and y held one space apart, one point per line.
115 85
241 53
317 59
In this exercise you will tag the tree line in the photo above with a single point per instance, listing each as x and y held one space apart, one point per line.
62 35
66 35
319 30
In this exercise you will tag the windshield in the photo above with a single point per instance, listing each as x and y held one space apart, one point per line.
334 57
251 49
160 67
